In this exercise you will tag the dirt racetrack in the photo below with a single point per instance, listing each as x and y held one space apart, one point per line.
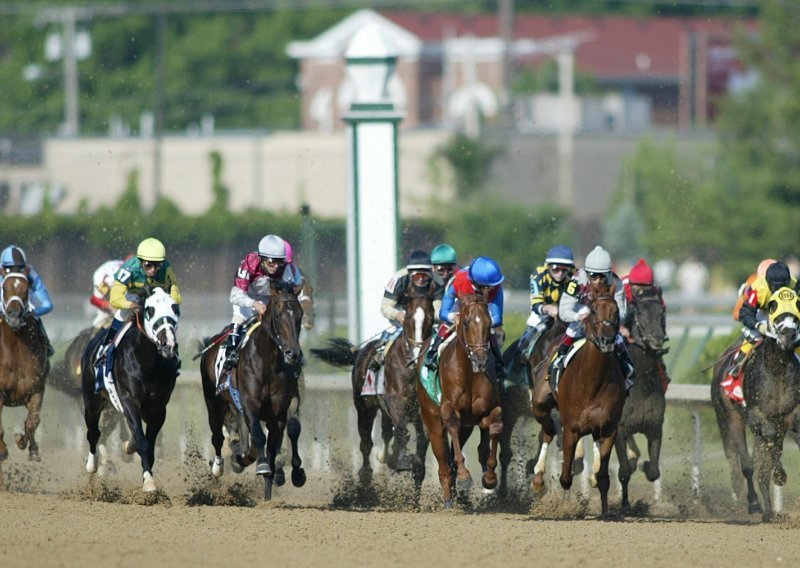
52 514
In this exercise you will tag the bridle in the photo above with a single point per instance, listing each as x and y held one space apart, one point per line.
271 323
24 303
603 342
473 350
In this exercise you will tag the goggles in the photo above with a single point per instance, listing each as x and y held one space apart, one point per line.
149 264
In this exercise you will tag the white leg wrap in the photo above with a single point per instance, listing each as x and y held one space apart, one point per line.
148 485
540 463
91 463
218 467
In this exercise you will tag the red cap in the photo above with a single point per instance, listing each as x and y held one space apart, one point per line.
641 273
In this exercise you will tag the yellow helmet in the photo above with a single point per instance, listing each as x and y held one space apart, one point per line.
151 249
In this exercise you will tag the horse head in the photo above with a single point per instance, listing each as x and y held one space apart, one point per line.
16 305
283 319
784 317
160 320
649 319
603 322
474 328
418 324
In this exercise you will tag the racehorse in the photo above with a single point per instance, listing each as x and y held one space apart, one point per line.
591 392
644 408
145 368
772 394
470 397
398 405
25 362
516 397
266 379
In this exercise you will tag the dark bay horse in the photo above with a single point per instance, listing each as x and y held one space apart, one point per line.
145 369
398 405
470 397
772 394
24 359
591 391
644 408
517 396
267 381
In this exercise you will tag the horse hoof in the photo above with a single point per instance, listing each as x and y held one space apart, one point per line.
22 441
364 476
464 484
217 467
280 477
148 485
298 476
34 456
592 481
779 477
236 466
263 467
537 483
405 463
129 447
651 471
753 508
91 464
489 487
382 456
448 504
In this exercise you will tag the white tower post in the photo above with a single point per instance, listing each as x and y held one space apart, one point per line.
372 124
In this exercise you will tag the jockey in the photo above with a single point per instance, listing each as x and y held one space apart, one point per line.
102 280
443 259
149 267
777 276
747 286
573 312
13 259
253 277
395 298
482 275
547 286
639 280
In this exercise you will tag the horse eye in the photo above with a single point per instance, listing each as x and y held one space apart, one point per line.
772 307
150 311
175 309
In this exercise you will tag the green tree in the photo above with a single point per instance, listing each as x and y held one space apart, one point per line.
470 160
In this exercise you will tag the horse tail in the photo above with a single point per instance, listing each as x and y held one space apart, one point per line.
339 352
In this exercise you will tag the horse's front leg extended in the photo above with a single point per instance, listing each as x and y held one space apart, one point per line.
651 469
140 443
293 428
569 442
494 424
452 421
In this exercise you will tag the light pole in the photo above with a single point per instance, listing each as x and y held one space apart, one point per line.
372 125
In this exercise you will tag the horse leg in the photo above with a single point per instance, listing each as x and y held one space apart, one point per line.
493 423
764 456
651 469
418 469
569 442
386 455
263 467
603 480
293 428
366 418
273 447
540 465
91 415
438 438
506 450
3 447
216 419
154 425
634 453
739 442
28 439
452 421
140 443
624 468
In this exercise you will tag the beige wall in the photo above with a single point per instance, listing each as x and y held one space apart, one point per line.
277 172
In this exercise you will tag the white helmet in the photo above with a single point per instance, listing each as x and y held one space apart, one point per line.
598 260
272 246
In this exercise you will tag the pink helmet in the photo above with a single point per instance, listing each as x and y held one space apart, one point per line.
289 252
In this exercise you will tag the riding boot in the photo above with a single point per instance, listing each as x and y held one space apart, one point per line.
557 366
527 336
232 348
45 338
627 364
432 356
104 355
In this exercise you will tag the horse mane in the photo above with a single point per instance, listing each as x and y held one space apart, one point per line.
282 286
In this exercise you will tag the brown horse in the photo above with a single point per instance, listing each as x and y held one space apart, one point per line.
644 408
470 397
267 381
398 405
591 394
25 363
772 393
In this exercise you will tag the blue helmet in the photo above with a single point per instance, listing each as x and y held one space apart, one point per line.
560 254
483 271
13 256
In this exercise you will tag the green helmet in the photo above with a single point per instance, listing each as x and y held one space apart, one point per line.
443 254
